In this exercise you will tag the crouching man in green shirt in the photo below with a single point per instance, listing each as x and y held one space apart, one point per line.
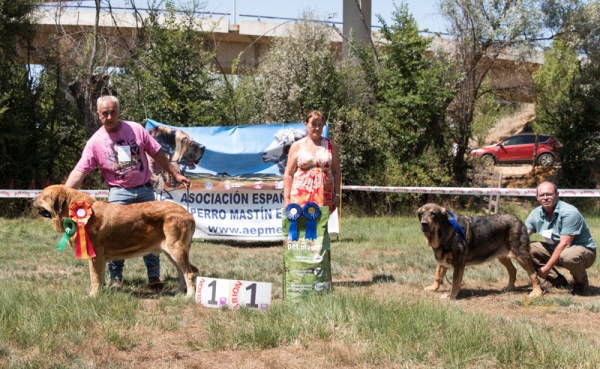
569 243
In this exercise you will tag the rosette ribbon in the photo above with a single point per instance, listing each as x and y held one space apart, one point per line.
80 212
311 211
69 226
457 227
293 212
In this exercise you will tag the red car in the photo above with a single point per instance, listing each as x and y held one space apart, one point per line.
518 149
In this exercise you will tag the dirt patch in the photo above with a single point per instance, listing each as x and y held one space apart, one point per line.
524 176
487 299
511 124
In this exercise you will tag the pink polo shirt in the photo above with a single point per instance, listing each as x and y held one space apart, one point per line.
121 156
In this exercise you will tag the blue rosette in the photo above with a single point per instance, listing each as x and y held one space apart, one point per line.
311 211
459 231
293 212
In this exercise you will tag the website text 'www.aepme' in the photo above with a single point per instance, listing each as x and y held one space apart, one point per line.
246 231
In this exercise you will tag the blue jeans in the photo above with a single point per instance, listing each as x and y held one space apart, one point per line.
125 196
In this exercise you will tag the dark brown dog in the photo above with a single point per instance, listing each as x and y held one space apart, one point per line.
484 238
126 231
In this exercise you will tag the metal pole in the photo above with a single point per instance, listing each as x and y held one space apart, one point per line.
233 14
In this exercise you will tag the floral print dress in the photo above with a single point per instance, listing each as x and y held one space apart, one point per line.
313 180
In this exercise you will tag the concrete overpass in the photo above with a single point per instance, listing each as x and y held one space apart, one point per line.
252 38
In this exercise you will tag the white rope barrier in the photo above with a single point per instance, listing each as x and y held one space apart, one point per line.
16 194
472 191
430 190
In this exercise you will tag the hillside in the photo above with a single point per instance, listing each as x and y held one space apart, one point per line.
517 176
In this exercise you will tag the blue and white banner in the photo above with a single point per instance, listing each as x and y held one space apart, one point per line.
236 176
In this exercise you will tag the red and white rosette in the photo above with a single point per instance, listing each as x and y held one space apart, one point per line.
80 212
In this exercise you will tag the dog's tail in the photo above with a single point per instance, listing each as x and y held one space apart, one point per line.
195 269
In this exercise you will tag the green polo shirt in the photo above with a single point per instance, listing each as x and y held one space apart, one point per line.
566 221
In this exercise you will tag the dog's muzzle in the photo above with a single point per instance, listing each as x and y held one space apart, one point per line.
194 154
197 151
426 229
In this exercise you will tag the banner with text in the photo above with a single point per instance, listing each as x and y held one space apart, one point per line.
236 176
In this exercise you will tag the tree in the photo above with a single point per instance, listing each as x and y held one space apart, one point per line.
391 126
18 138
39 135
412 89
568 96
168 76
297 75
16 18
484 34
89 84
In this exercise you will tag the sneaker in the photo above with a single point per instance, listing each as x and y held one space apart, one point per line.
559 282
155 283
115 283
579 288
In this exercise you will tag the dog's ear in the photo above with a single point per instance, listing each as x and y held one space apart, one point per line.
444 214
181 143
59 205
59 202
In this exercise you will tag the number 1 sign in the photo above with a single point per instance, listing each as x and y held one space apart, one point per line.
256 295
211 292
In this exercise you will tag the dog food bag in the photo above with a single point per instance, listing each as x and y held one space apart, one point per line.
306 261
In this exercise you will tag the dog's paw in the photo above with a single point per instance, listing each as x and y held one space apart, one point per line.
508 289
449 296
432 288
536 293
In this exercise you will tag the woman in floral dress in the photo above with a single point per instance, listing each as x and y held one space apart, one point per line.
313 171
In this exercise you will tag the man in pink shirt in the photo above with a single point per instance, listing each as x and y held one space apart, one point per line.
119 150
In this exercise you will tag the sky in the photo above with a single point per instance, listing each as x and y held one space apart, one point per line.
424 11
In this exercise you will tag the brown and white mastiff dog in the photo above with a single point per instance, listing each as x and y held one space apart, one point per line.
475 240
126 231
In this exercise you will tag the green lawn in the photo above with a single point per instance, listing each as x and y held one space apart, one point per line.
47 320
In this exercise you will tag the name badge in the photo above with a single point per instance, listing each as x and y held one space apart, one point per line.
123 154
547 234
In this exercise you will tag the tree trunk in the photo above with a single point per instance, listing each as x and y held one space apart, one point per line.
86 91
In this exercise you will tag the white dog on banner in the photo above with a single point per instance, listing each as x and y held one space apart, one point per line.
277 151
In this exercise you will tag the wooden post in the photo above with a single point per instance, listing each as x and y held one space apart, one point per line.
498 196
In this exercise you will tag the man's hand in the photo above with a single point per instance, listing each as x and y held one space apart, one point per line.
182 179
565 242
162 160
543 272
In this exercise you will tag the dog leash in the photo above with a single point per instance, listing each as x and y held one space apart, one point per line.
187 195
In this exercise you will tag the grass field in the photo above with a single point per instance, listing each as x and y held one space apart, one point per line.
378 315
